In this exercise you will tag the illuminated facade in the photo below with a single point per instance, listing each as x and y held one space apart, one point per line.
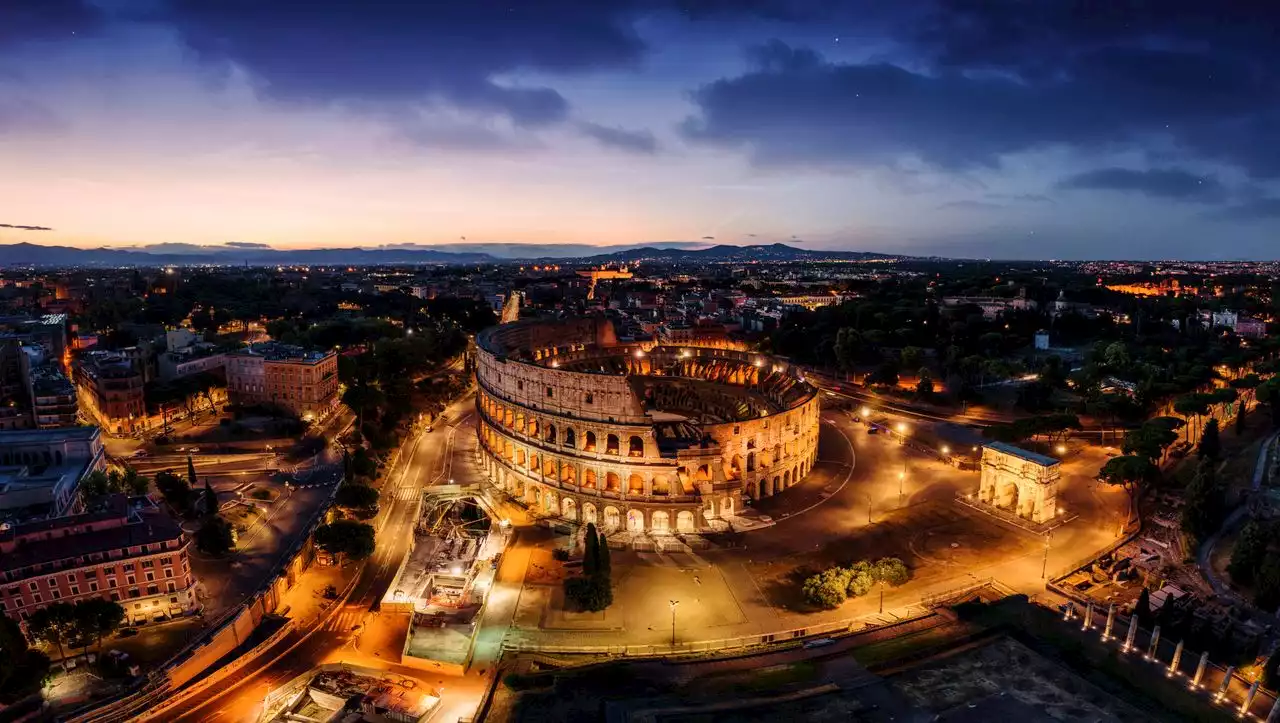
646 438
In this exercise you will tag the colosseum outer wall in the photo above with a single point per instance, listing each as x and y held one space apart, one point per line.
581 446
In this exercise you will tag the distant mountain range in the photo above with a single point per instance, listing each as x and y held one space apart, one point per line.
27 254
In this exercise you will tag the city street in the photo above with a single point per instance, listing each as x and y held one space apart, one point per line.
428 462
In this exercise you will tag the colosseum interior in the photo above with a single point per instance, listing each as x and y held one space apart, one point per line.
639 437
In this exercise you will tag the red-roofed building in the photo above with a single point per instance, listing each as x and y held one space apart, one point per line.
123 550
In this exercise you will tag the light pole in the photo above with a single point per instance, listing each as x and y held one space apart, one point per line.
1044 569
673 604
902 477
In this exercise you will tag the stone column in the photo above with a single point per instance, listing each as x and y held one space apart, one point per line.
1066 614
1133 633
1177 660
1204 662
1111 621
1153 650
1226 683
1248 699
1088 617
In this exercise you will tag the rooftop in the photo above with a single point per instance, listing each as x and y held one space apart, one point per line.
275 351
1020 453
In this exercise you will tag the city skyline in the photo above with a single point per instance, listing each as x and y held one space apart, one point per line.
995 131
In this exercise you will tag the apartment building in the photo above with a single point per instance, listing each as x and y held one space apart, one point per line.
125 550
40 470
299 381
110 390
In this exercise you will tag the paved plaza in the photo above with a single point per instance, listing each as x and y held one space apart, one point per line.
868 497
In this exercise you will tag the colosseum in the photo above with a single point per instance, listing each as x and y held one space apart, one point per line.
641 437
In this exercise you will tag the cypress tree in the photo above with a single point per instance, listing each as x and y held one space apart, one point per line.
1142 610
591 553
191 471
210 498
605 564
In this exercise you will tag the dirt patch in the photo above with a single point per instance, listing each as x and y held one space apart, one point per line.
1007 667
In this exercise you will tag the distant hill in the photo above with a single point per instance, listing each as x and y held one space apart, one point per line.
725 252
27 254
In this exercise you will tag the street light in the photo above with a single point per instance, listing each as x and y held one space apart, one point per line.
673 604
866 411
902 477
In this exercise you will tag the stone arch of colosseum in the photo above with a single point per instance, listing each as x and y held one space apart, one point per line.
645 438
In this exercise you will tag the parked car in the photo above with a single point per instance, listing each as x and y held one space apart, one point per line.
138 453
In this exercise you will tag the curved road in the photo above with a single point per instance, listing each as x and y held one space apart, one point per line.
239 698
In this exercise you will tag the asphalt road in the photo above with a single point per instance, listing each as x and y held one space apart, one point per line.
240 697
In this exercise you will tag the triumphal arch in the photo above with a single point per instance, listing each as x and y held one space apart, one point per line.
1022 482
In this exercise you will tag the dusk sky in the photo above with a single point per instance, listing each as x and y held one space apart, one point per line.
978 128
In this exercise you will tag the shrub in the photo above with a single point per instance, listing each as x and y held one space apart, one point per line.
827 589
560 554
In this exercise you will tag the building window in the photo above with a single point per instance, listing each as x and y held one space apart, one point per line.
168 572
111 582
590 398
151 576
550 392
172 588
109 569
115 597
172 599
32 585
71 577
153 590
37 598
133 592
93 586
129 579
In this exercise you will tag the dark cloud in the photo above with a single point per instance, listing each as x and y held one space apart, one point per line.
976 80
1262 209
25 228
246 245
634 141
389 50
1173 183
27 20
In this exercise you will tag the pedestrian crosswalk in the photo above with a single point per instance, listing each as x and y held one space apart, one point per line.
344 620
408 493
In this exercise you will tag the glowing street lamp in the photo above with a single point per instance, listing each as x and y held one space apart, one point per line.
866 411
673 604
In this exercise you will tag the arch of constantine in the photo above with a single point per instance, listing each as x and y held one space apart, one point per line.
642 437
1022 482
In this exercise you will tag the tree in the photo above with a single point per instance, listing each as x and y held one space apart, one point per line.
96 618
94 486
1240 415
175 490
1150 440
1130 472
54 624
1266 594
912 356
191 472
1268 394
356 496
891 571
1210 446
134 483
215 536
1142 608
210 498
22 670
606 564
590 594
827 589
886 374
346 537
1249 552
591 551
1205 503
924 387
